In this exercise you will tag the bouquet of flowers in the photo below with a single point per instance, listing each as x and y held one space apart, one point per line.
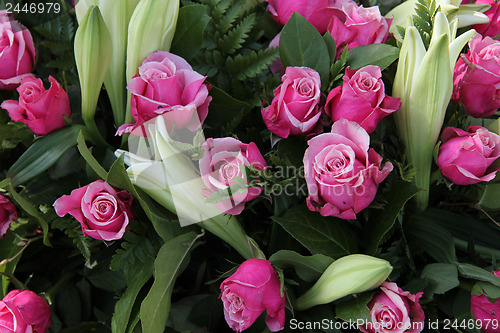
249 165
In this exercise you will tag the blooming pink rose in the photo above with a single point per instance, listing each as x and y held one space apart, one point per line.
476 80
491 29
342 175
17 52
221 164
23 311
102 211
295 107
488 313
168 86
361 98
253 288
317 12
360 26
465 157
8 213
393 310
41 110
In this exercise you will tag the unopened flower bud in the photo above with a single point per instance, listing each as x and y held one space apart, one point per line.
351 274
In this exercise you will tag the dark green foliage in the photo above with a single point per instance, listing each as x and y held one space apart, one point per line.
231 51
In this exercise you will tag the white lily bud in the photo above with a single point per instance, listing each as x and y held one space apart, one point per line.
424 82
348 275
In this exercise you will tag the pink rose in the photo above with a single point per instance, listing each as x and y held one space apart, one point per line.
393 310
8 213
168 86
41 110
491 29
23 311
221 164
17 52
360 26
295 107
465 157
251 290
361 98
317 12
102 211
342 175
488 313
476 80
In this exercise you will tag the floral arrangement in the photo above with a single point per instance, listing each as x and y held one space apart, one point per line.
249 165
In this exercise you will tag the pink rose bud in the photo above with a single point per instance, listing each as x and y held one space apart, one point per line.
23 311
361 98
17 52
486 312
476 80
222 162
167 85
295 107
359 26
393 310
317 12
466 157
41 110
251 290
102 211
491 29
8 213
341 172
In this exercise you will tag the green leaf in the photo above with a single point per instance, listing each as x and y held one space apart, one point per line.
330 45
320 235
137 276
101 276
237 36
381 55
441 277
473 272
170 262
43 154
432 238
355 308
489 200
302 45
250 64
89 158
29 208
10 245
191 24
382 221
308 268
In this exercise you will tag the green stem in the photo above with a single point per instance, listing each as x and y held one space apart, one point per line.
229 229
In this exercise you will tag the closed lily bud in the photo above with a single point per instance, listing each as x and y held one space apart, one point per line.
424 82
93 51
116 15
348 275
151 28
169 177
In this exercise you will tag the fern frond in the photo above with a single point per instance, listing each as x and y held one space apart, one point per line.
227 20
250 64
237 36
136 249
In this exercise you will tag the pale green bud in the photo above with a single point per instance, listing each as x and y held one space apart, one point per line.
424 82
93 53
151 28
348 275
116 15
